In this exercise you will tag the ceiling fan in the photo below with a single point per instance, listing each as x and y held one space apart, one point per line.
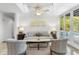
40 8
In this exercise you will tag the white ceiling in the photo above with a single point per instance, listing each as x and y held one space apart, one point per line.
60 8
9 7
56 10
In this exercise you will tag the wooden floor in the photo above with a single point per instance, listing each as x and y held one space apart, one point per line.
30 51
3 49
41 51
35 51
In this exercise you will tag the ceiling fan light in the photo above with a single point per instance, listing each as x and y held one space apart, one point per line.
40 9
38 13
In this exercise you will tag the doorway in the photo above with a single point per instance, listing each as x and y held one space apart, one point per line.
8 25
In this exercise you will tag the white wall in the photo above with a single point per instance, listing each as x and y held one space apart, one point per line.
8 26
5 27
27 18
1 27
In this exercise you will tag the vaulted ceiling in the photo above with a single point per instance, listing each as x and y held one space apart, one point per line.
56 9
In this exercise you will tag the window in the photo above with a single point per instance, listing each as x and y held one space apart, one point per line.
67 22
62 23
76 20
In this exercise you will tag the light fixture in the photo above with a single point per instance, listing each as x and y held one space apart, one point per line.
21 29
53 29
39 12
40 8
